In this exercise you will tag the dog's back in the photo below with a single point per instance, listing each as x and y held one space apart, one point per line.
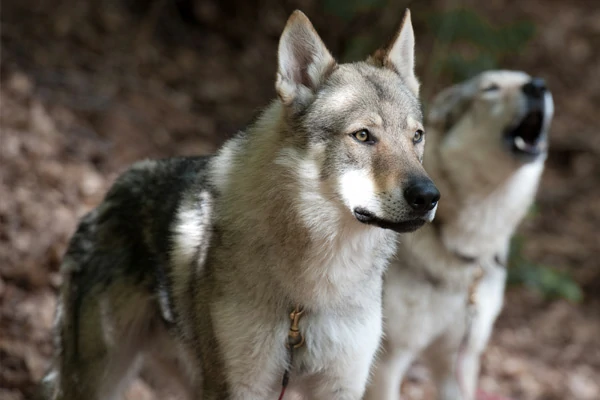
115 273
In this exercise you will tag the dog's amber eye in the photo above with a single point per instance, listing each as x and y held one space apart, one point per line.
363 136
418 137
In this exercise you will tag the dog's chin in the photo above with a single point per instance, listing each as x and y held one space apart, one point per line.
404 226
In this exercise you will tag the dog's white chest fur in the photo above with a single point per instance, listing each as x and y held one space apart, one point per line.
485 224
334 273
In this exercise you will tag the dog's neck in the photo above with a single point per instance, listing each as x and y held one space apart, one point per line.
313 247
472 234
479 224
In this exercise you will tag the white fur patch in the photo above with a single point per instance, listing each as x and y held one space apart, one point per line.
190 241
431 214
413 123
144 164
306 168
221 165
341 98
51 378
189 233
549 111
165 304
108 328
358 190
314 208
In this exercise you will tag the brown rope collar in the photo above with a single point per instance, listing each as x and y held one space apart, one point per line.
295 340
295 337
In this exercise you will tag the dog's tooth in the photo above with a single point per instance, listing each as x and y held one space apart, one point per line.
520 143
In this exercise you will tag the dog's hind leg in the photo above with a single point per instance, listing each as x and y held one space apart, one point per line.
170 370
166 379
102 336
442 357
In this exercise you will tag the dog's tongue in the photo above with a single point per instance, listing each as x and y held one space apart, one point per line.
481 395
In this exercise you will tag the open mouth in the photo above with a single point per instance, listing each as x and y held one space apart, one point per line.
366 217
528 138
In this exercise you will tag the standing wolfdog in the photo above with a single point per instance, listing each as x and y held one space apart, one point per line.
488 144
195 264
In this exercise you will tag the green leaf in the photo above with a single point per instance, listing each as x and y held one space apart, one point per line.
549 282
459 25
467 26
533 211
514 37
462 68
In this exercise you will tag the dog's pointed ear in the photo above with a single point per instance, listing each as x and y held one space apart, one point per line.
399 55
448 107
303 61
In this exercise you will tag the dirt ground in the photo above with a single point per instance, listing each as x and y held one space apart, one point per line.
89 87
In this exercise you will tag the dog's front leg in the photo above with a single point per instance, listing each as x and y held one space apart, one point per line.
388 371
442 357
490 295
347 373
251 343
342 384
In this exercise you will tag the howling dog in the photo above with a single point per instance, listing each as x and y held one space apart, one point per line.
486 152
259 268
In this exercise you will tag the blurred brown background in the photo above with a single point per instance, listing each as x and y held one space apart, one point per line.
88 87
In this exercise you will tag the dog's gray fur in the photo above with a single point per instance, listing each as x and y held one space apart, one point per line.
195 263
487 184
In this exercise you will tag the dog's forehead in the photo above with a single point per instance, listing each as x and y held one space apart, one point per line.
502 78
359 89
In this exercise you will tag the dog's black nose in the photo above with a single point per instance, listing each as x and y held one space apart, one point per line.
536 87
422 195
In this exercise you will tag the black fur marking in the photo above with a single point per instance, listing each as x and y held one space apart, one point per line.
126 237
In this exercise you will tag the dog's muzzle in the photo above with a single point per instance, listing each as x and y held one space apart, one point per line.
421 195
528 139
